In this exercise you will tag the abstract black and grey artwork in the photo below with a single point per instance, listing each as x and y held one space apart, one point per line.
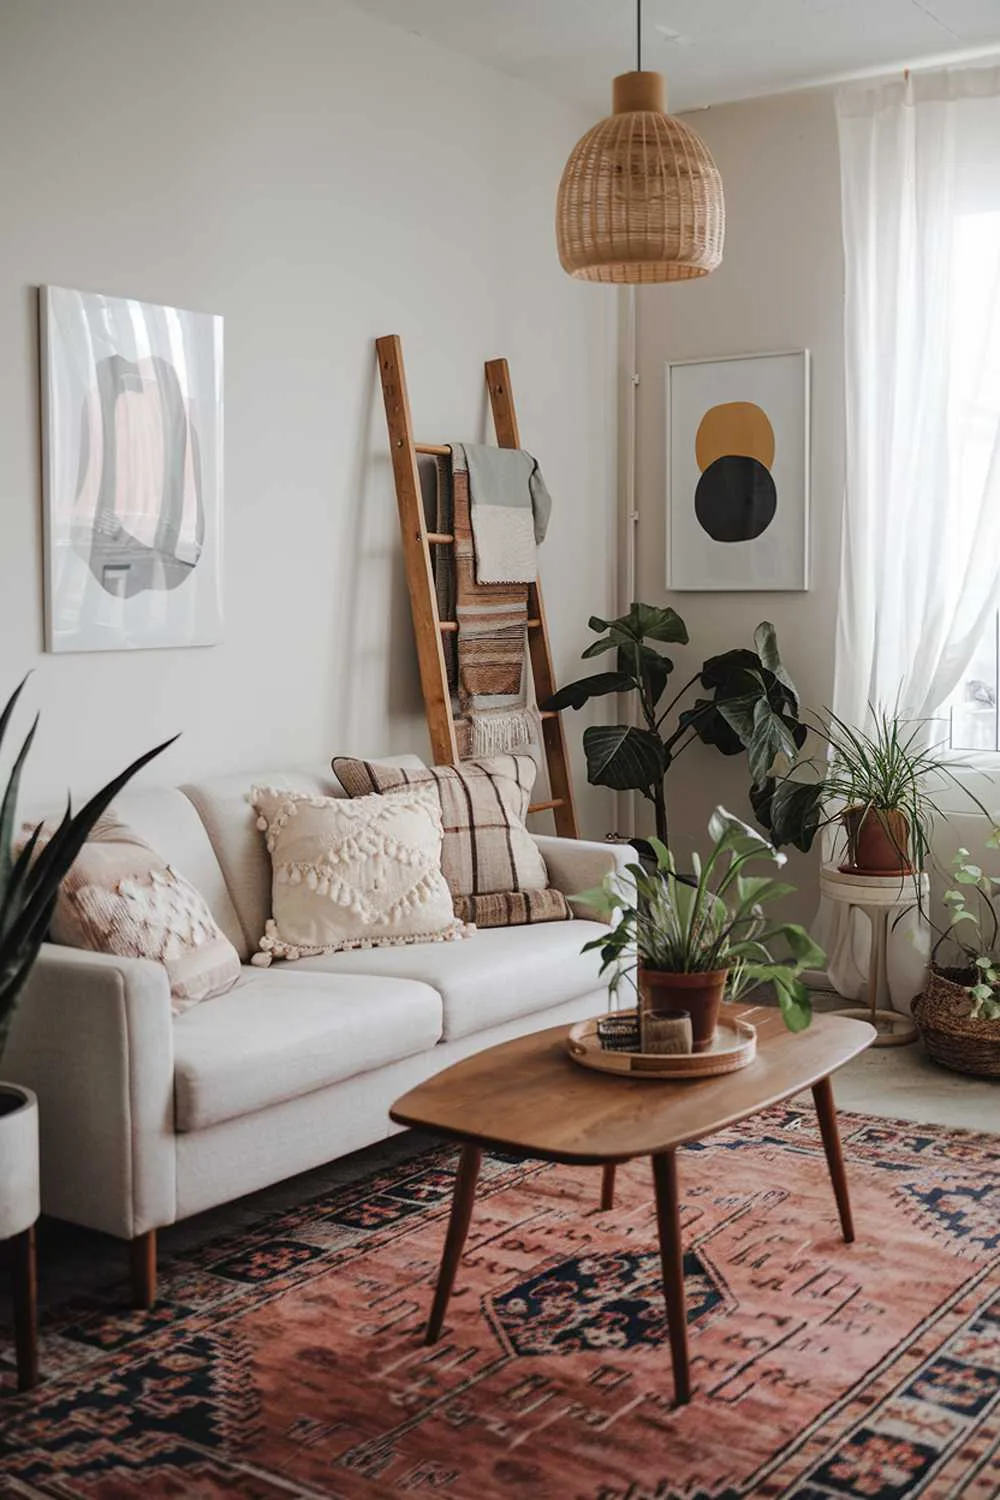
738 473
132 418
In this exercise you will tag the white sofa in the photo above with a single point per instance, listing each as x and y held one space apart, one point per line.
147 1118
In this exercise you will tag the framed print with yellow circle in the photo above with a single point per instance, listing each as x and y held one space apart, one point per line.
737 434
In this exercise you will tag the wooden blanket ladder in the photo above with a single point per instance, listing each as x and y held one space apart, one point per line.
427 623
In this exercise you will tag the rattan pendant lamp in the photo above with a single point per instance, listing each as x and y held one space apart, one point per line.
640 198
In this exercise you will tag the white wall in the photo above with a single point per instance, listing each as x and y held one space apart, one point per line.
318 179
780 286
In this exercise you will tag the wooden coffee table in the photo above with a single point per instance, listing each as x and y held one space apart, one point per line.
528 1096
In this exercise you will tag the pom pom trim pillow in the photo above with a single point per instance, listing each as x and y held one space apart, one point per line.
120 897
493 866
360 874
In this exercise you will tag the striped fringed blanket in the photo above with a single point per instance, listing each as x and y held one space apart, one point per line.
487 657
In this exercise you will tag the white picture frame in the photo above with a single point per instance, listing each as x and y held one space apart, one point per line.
132 452
758 406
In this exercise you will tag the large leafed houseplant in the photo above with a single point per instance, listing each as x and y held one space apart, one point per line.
685 941
741 701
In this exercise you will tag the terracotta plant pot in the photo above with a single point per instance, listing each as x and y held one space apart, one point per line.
878 841
699 994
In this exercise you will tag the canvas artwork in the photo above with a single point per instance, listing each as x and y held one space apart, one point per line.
132 451
738 472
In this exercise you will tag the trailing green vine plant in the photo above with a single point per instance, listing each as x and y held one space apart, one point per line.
974 929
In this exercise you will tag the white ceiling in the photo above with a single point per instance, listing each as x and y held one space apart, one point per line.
710 50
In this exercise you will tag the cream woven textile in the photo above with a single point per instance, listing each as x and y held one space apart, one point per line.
121 898
353 874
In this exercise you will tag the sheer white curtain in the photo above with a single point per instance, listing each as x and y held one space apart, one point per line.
920 563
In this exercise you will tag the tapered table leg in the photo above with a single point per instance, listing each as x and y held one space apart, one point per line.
826 1110
607 1186
668 1219
458 1227
24 1279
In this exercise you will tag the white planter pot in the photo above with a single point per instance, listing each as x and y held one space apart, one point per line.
20 1202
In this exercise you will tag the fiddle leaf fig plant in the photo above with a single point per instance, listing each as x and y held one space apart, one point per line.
30 875
748 704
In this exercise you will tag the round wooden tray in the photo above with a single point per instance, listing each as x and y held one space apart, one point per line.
735 1046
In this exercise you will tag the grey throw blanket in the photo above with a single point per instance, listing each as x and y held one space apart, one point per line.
510 510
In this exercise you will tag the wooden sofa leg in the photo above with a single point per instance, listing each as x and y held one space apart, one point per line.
142 1252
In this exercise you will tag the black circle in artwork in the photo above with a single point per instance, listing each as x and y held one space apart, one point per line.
735 499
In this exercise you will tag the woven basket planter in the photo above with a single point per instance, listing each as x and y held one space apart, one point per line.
951 1037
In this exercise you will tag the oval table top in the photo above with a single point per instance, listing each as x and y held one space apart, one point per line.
528 1095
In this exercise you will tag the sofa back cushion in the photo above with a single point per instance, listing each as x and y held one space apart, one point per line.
230 822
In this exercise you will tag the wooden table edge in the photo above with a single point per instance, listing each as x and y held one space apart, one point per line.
597 1159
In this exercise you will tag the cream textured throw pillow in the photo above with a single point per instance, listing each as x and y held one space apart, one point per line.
360 874
492 864
120 897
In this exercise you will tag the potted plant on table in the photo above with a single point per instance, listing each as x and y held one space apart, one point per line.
958 1014
686 941
30 876
881 785
752 708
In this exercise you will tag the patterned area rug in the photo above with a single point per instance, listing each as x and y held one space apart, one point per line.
285 1358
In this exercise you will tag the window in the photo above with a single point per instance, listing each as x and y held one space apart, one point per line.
974 410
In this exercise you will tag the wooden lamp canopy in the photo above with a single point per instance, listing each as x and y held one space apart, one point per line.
640 199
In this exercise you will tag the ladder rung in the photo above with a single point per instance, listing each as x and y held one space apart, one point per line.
440 538
537 807
434 450
549 713
450 625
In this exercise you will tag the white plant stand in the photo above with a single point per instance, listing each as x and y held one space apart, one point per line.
880 897
19 1208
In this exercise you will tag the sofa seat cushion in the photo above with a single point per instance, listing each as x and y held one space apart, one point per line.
494 976
279 1034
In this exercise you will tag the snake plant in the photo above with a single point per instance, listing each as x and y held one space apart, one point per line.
31 872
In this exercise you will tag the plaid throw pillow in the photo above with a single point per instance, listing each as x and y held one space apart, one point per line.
487 853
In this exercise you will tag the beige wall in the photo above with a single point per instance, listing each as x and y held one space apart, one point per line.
780 287
318 179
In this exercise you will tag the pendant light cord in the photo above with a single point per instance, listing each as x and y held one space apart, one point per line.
638 36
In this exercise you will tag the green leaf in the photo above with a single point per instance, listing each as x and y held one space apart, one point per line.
654 666
711 728
623 757
576 694
650 622
765 638
795 1003
644 622
794 812
599 647
730 832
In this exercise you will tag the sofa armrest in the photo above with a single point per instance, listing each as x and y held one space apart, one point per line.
575 865
93 1037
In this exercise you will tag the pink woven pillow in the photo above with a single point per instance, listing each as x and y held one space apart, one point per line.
120 897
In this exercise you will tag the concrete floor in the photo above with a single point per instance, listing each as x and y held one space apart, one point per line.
903 1084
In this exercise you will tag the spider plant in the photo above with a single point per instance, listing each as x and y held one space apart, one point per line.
867 775
711 920
30 875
